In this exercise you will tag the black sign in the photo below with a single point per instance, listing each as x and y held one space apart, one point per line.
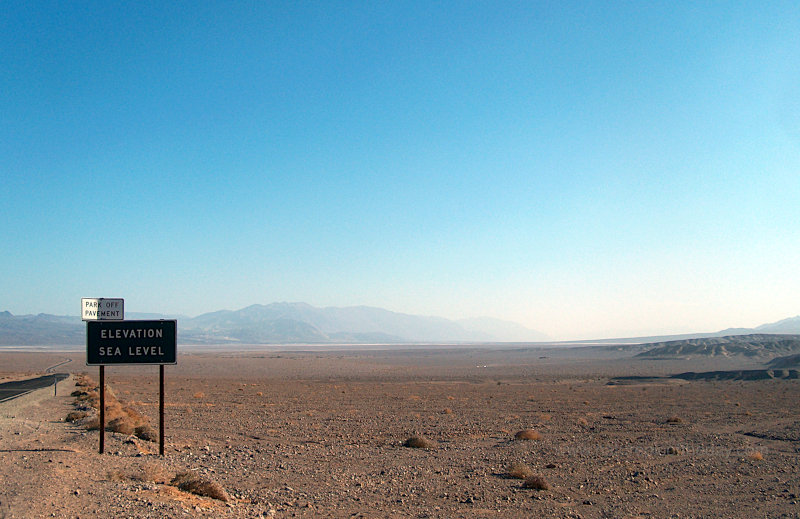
131 342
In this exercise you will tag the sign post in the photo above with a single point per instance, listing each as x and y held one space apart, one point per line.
102 408
161 410
110 340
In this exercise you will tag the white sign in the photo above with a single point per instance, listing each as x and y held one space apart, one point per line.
102 309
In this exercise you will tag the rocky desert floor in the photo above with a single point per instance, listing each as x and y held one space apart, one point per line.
304 433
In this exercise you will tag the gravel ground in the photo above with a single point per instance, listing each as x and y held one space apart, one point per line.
309 434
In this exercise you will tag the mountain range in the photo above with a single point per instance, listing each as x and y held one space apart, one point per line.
283 323
751 345
301 323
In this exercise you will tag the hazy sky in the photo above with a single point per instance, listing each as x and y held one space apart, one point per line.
587 169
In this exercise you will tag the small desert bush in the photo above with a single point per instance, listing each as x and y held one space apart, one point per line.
92 424
755 456
527 434
150 472
118 417
199 394
193 483
520 471
83 396
145 432
583 422
74 416
418 442
114 410
116 475
84 380
536 483
134 415
121 424
674 419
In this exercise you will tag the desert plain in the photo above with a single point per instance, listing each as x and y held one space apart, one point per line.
322 432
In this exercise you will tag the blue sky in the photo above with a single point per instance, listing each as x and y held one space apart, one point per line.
587 169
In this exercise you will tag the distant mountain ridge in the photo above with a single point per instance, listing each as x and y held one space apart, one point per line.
753 345
29 330
788 326
303 323
283 323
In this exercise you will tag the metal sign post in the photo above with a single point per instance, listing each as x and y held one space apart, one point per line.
102 408
161 410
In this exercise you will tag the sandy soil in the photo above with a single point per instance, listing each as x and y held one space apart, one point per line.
320 434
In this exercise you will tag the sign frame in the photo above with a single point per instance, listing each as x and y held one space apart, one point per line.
121 343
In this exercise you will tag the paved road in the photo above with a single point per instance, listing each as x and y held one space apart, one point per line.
9 390
51 369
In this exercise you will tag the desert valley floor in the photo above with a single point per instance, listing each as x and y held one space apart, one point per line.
321 433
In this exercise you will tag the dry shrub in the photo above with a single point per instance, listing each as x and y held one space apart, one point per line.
134 415
90 398
83 396
199 394
674 419
150 472
118 417
418 442
74 416
583 422
447 410
520 471
755 456
145 432
122 425
114 410
92 424
84 380
193 483
116 475
536 483
527 434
